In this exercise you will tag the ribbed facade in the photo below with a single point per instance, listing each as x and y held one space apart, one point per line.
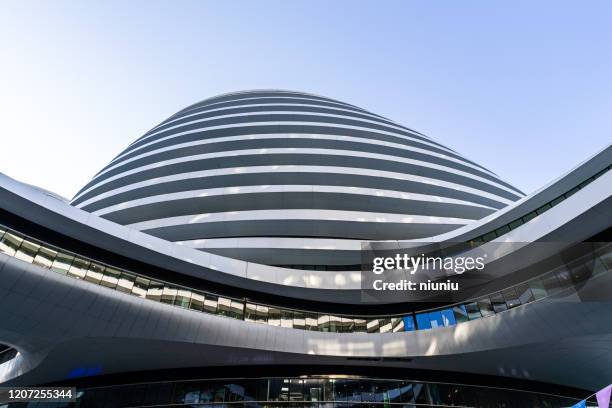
291 179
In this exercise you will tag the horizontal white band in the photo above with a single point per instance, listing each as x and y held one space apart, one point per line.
282 123
306 214
202 110
292 169
272 136
292 150
272 112
331 244
299 188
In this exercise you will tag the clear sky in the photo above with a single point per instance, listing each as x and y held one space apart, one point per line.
521 87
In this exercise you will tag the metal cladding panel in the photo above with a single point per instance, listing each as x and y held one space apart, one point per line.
256 166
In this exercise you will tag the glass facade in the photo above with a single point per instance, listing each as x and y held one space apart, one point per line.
29 250
323 392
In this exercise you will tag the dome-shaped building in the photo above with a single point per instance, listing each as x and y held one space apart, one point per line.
290 179
214 262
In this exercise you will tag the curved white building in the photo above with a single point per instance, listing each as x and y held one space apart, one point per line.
282 178
217 260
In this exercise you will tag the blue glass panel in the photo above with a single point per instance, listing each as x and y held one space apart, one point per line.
436 319
461 314
448 318
409 323
423 322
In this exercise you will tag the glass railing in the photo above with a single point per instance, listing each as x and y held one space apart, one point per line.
514 224
314 391
76 266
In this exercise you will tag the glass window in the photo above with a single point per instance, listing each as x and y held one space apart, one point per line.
373 325
385 325
126 282
557 201
551 283
511 297
286 318
299 321
397 324
168 295
311 321
45 257
489 237
335 323
110 278
10 243
360 325
79 268
423 322
564 277
182 298
323 323
237 309
250 314
348 325
140 287
448 317
274 316
154 291
485 306
27 251
516 223
224 305
524 293
409 323
473 311
461 314
94 273
211 303
502 230
543 209
538 289
583 272
197 302
529 216
571 192
436 319
62 263
498 302
262 314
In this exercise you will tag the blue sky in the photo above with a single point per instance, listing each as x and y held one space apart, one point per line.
523 88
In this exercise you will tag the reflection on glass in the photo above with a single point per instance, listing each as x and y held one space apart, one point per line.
140 287
498 302
485 307
461 314
511 298
78 269
45 257
448 317
473 311
127 282
27 251
409 324
197 302
436 319
10 243
423 322
62 263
